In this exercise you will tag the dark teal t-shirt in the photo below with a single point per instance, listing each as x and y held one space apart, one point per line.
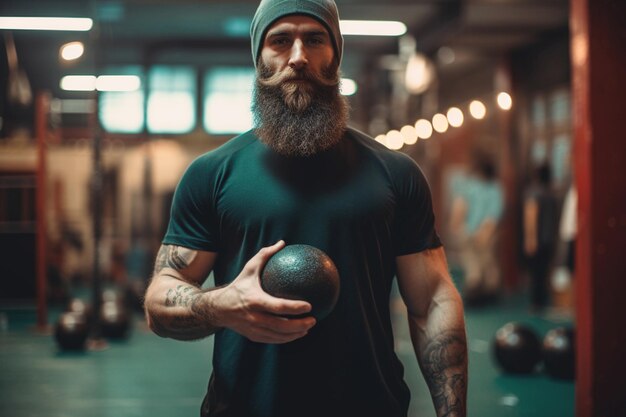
360 203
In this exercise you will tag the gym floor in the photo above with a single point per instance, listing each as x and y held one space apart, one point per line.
148 376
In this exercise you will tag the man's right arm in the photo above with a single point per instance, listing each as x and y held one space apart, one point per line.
176 306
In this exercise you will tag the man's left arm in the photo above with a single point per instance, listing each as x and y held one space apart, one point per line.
437 326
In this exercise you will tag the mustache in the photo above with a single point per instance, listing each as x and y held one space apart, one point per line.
329 77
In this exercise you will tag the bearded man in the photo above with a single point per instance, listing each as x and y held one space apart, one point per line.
303 177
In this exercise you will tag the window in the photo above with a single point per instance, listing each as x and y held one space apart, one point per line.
122 111
171 102
228 100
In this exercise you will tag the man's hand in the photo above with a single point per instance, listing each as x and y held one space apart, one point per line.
177 307
244 307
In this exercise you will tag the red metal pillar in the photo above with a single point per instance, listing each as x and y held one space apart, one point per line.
598 35
507 167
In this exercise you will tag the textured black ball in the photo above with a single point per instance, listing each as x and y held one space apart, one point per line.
115 321
303 272
517 348
559 356
71 331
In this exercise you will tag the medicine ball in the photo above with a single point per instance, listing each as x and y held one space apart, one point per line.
517 348
303 272
71 331
559 356
81 307
115 320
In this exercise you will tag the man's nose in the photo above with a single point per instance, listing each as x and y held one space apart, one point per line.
298 58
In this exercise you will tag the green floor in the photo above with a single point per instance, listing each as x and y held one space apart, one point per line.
149 376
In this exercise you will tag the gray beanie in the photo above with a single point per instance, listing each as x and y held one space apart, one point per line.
270 11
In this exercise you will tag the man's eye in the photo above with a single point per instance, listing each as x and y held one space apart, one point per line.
280 41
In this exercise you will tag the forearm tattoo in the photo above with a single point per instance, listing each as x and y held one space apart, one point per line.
175 257
182 295
444 365
187 314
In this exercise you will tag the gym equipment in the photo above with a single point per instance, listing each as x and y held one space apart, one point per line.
71 331
558 353
81 307
517 348
303 272
114 320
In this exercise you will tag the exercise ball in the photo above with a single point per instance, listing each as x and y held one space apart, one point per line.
558 351
81 307
71 331
517 348
303 272
114 320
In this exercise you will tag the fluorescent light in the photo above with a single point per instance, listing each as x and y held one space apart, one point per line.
78 83
372 27
118 83
102 83
81 24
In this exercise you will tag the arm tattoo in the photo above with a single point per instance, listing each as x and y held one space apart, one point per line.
175 257
182 295
444 365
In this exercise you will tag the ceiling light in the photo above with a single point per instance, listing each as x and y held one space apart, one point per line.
446 55
424 129
102 83
72 50
505 101
372 27
440 123
477 109
409 134
419 74
348 87
78 83
80 24
395 141
118 83
455 117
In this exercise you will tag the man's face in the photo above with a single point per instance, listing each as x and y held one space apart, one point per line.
295 46
298 109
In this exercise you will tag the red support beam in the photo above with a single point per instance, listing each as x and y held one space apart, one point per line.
598 36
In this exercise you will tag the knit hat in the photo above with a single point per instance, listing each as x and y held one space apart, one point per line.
269 11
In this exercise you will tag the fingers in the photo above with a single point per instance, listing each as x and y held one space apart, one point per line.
273 329
258 261
267 252
282 306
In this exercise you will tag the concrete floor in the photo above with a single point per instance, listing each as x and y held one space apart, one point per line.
149 376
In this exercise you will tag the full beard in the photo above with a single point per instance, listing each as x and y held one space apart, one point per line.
299 118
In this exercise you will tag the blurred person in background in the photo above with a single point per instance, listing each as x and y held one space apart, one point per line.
540 234
476 212
302 176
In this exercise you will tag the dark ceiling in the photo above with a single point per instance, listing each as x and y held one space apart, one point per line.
197 32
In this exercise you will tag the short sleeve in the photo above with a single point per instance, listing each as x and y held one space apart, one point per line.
192 219
414 222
